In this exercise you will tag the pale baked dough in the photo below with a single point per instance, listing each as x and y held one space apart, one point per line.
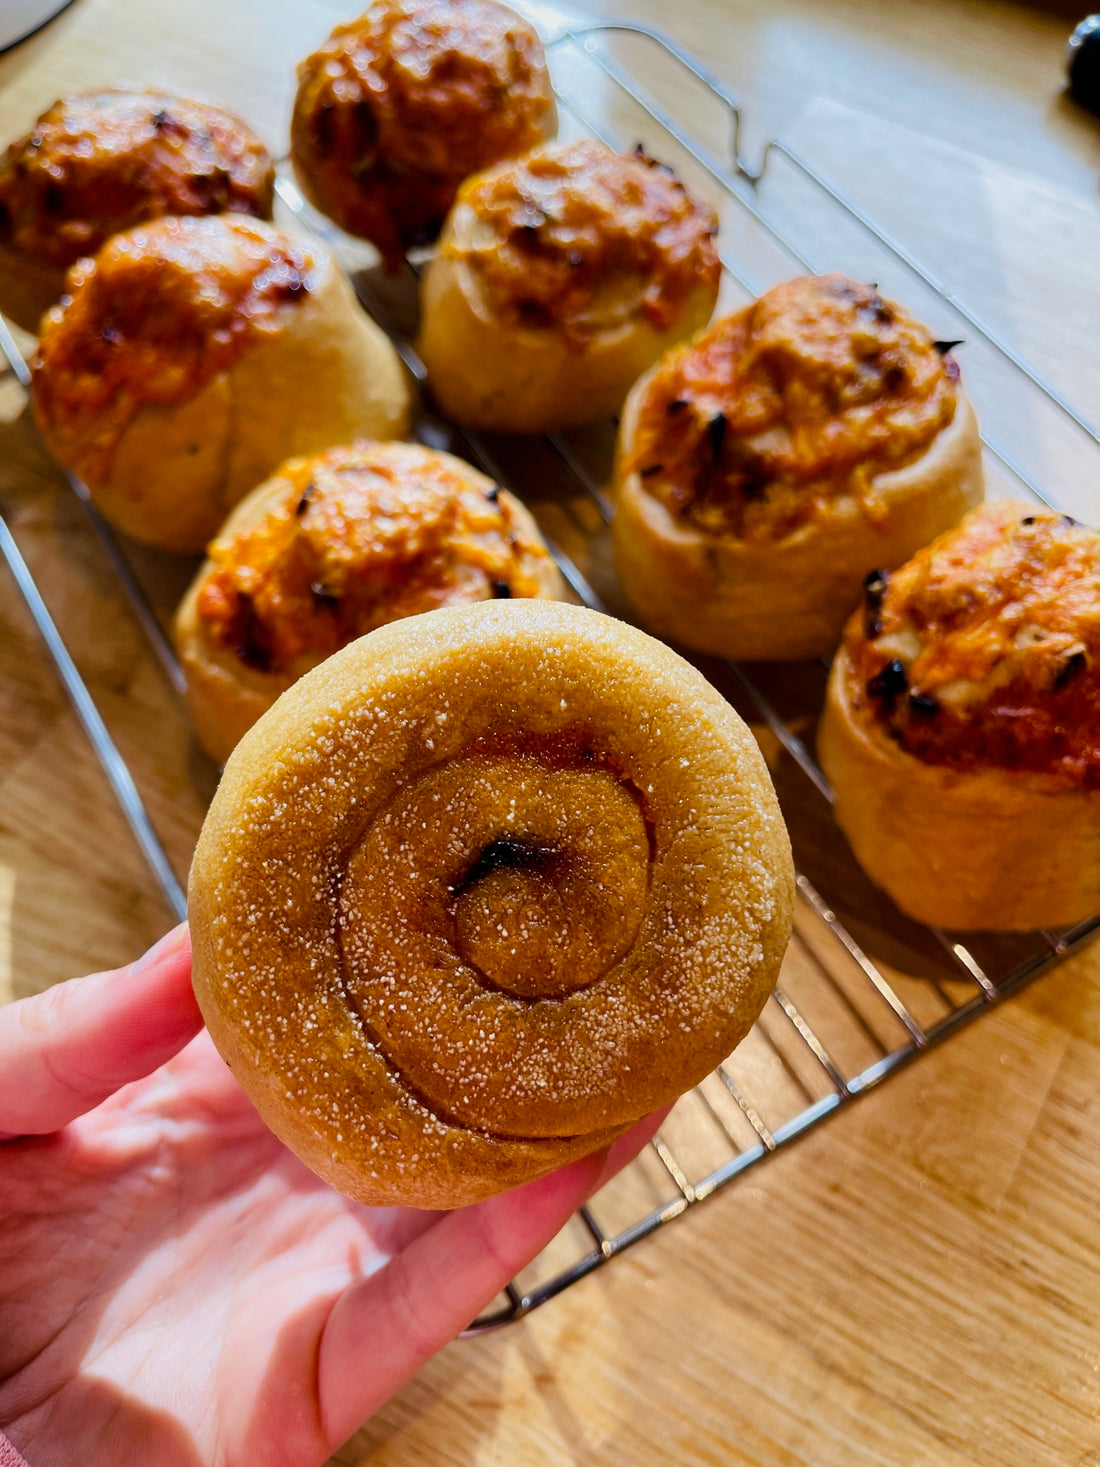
789 598
525 785
225 696
328 375
991 849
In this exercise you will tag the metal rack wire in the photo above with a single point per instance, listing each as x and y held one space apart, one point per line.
840 1022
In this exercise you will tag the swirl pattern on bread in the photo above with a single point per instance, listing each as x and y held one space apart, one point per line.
482 890
399 106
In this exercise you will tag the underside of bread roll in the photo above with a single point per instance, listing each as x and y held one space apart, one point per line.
101 162
479 892
766 469
193 357
331 547
961 732
560 278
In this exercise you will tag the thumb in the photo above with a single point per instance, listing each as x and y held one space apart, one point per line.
65 1050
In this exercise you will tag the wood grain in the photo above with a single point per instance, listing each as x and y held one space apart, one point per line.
916 1282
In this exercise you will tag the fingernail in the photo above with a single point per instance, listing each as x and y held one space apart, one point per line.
170 943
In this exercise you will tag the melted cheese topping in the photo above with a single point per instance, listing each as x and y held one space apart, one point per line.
574 236
152 318
399 106
983 651
763 422
362 536
99 163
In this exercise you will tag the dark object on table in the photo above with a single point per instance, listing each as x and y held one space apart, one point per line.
1083 63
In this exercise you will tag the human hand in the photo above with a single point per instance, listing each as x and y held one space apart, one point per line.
176 1288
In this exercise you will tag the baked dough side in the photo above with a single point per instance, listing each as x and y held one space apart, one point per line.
225 696
992 849
28 287
506 379
755 600
279 909
328 374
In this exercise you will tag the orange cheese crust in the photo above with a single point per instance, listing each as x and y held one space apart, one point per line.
399 106
104 161
573 232
983 651
153 318
806 395
358 537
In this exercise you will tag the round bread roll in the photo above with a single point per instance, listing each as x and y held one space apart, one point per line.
962 725
559 279
399 106
104 161
331 547
194 355
481 891
765 469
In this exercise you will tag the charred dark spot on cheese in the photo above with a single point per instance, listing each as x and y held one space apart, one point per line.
1028 520
508 855
716 435
1072 668
502 590
650 470
303 503
493 494
923 705
889 683
874 589
249 636
676 405
160 119
322 595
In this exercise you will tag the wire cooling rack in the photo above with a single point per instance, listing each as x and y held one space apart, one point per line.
840 1022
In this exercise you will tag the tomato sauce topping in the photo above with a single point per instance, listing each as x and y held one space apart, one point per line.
102 162
399 106
362 535
576 237
157 314
802 397
983 651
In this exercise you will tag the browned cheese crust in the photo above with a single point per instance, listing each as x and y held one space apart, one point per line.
101 162
962 725
559 279
765 469
479 892
191 357
399 106
328 549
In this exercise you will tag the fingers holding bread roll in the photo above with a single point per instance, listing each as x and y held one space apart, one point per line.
961 729
560 278
479 892
764 470
192 357
399 106
331 547
101 162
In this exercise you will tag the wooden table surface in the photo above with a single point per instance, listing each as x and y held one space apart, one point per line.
917 1281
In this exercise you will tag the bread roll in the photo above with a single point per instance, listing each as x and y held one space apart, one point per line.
559 279
479 892
103 161
399 106
962 725
331 547
193 356
765 469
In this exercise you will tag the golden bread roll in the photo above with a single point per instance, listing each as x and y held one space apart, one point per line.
399 106
765 469
962 725
103 161
479 892
559 279
191 357
331 547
